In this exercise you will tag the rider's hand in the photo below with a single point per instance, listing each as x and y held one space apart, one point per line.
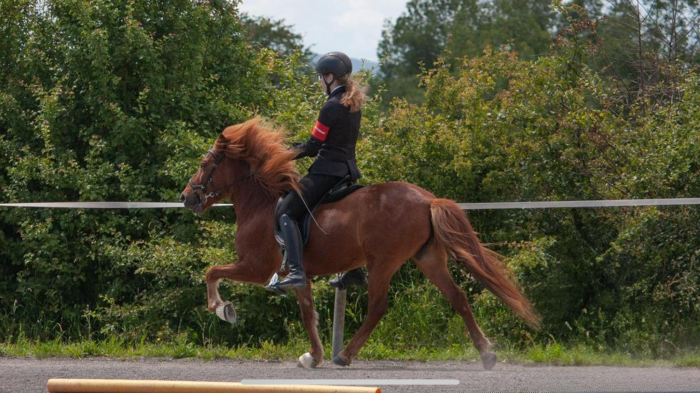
297 145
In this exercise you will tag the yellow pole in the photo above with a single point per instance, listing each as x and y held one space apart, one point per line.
137 386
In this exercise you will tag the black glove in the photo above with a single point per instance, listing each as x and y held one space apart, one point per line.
297 145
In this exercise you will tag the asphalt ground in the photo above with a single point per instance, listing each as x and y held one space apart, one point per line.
25 375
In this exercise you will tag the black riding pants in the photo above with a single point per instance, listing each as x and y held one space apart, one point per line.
313 187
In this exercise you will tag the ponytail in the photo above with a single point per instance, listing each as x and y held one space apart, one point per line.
354 96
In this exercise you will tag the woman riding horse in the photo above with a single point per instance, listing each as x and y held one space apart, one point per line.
250 166
332 142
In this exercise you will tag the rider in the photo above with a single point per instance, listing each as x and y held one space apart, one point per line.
332 142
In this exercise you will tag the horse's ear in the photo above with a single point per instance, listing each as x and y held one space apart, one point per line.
220 143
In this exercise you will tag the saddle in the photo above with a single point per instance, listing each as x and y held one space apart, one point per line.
344 188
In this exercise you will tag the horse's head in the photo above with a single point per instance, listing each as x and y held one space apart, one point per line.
241 152
215 179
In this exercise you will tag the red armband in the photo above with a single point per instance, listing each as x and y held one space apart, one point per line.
320 131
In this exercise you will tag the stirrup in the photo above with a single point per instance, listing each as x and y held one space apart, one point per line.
272 286
292 282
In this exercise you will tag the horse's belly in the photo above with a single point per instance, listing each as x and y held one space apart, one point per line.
335 248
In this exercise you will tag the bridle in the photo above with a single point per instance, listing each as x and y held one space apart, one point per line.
201 188
197 188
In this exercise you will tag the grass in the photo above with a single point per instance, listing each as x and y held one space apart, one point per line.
552 354
120 350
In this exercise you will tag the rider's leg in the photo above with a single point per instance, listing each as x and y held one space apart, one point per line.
293 247
293 208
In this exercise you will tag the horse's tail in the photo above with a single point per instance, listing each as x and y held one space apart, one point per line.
453 230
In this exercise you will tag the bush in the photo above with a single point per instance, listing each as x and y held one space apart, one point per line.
119 100
109 101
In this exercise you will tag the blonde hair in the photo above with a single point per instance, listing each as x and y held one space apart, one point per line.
354 96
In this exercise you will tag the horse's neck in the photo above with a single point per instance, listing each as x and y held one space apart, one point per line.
250 201
255 213
258 254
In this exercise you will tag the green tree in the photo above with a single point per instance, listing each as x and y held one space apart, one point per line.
104 101
452 29
275 35
643 44
500 127
417 38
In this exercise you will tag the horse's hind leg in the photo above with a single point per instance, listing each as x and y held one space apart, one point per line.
432 262
309 316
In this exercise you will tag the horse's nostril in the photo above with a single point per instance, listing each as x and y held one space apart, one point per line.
182 197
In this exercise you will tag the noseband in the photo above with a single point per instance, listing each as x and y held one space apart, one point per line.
201 188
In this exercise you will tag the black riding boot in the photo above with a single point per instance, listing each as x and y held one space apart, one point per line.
294 248
353 277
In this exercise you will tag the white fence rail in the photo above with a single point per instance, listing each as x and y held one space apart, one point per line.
464 206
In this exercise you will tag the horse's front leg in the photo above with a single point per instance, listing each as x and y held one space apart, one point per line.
241 272
309 317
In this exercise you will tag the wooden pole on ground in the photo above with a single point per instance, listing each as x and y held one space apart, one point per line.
136 386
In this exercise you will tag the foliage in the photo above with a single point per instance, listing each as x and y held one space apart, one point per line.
274 35
639 43
451 29
119 100
113 101
497 127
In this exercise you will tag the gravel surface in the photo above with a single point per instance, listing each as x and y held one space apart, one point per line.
24 375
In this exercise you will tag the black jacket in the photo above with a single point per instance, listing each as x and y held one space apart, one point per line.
333 139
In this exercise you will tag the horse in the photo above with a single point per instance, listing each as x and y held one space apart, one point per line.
380 226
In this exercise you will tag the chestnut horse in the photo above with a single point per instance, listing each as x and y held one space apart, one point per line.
379 226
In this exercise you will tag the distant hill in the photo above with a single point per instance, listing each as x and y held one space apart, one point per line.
357 64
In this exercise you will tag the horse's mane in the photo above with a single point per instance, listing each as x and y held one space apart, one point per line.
263 149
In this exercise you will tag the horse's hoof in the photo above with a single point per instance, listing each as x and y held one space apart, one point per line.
226 313
341 361
307 361
489 360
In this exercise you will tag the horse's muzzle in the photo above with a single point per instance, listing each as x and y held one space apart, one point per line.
192 201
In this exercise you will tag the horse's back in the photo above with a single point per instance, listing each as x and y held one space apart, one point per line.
381 218
394 199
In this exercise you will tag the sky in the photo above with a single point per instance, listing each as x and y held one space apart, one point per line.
353 27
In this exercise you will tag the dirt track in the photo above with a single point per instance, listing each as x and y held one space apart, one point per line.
24 375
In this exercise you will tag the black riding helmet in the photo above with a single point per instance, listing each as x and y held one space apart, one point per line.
337 64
